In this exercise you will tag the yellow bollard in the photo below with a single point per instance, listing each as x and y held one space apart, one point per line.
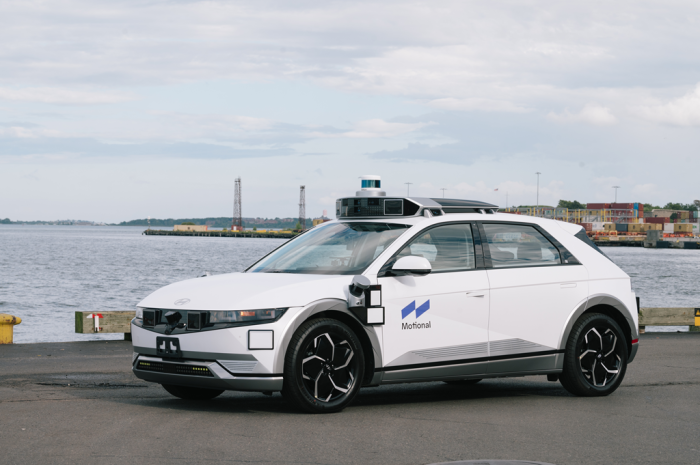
7 323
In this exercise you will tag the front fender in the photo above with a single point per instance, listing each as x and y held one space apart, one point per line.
312 309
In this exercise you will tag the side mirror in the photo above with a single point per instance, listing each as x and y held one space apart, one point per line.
411 265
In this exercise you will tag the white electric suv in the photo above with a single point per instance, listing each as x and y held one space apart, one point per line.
396 290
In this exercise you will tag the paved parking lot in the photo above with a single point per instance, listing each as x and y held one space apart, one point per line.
79 403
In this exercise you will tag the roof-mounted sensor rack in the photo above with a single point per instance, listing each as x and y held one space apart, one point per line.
371 202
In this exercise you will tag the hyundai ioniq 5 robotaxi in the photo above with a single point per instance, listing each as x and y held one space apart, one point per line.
396 290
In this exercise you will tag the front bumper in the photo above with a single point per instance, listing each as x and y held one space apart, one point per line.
217 377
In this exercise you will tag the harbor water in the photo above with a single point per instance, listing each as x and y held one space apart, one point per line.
49 272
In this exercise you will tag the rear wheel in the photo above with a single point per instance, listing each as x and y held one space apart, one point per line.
595 358
192 393
324 366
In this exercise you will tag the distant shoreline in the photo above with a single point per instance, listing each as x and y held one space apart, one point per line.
213 223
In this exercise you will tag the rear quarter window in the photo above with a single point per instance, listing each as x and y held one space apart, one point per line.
583 237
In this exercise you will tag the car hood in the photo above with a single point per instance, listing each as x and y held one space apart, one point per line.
248 291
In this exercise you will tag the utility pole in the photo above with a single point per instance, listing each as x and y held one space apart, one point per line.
237 224
538 192
408 188
302 207
616 188
443 192
506 200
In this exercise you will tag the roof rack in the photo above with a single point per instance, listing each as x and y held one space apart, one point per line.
458 203
373 207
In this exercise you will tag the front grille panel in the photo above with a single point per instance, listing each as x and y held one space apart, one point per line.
175 368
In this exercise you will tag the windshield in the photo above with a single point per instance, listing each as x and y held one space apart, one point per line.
338 248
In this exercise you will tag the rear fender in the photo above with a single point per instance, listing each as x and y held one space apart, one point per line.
607 304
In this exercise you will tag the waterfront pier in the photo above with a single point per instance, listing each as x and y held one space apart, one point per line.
220 233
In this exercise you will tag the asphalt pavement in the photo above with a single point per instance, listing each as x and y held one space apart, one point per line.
78 403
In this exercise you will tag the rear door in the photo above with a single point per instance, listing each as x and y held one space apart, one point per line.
437 325
535 285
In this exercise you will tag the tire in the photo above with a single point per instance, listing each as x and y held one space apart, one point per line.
192 393
595 358
462 382
323 367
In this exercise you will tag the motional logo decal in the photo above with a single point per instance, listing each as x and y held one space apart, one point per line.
408 309
182 301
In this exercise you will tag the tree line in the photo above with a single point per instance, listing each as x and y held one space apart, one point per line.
694 206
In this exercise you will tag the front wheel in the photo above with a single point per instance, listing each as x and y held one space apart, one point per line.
192 393
595 358
323 367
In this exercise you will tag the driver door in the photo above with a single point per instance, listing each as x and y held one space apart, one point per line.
437 325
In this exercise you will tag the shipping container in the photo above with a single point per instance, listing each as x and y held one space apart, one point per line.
597 206
683 228
622 206
586 226
668 228
609 226
621 227
657 220
654 226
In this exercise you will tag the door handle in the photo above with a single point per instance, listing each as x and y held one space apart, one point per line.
475 294
567 285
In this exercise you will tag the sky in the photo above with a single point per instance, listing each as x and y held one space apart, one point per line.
111 111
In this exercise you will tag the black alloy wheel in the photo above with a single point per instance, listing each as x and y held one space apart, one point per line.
192 393
324 366
595 359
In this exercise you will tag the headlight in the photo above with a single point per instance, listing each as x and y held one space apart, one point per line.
242 316
139 313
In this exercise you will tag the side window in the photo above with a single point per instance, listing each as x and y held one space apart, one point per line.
447 248
519 245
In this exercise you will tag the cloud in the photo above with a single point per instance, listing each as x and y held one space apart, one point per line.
373 128
65 147
683 111
477 104
477 53
26 131
606 181
449 153
591 113
645 189
62 96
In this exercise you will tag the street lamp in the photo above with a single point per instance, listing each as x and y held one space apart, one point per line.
443 192
408 188
616 188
